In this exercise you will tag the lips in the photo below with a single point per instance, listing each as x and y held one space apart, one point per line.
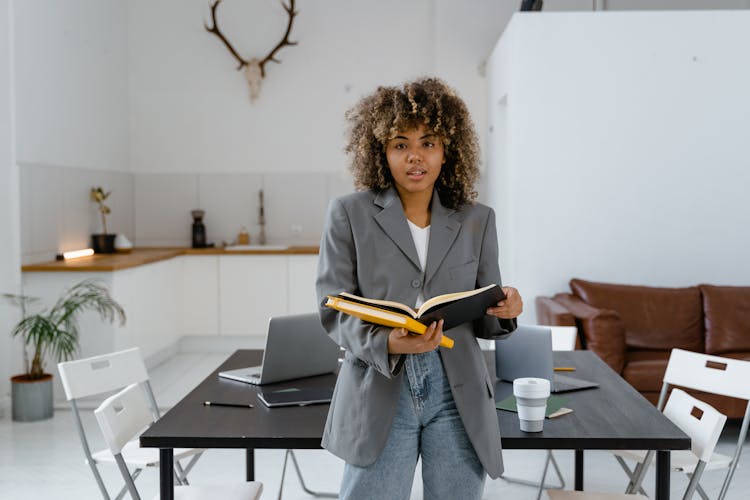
416 172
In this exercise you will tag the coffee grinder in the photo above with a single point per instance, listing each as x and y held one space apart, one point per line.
199 229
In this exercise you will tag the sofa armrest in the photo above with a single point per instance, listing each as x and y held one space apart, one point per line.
552 313
602 329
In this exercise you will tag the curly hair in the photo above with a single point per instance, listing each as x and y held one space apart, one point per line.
379 117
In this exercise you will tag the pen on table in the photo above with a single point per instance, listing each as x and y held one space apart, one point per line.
232 405
565 369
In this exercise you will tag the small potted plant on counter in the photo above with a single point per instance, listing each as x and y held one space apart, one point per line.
102 242
53 332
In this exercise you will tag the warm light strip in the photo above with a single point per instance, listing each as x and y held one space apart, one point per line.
75 254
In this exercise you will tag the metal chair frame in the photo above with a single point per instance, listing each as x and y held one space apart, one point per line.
710 374
118 369
699 420
123 416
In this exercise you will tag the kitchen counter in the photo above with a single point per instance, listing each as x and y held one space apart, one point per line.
142 256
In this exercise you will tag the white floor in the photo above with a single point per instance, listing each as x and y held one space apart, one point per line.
43 460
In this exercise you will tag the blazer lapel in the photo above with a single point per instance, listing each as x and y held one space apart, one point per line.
443 232
393 222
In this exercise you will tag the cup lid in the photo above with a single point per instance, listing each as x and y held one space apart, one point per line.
530 387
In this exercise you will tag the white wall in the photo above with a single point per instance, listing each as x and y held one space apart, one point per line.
190 110
198 142
72 83
10 276
193 138
137 97
626 158
71 80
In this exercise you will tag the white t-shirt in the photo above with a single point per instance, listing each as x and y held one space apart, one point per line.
421 237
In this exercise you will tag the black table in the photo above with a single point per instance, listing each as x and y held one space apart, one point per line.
612 416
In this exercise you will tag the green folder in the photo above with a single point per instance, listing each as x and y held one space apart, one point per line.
554 403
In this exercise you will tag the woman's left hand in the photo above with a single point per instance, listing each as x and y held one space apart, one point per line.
510 307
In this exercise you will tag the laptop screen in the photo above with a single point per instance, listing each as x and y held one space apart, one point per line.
525 353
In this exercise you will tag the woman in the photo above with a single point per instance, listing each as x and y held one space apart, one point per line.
412 231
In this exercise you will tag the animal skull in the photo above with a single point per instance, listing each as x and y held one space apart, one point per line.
254 77
254 69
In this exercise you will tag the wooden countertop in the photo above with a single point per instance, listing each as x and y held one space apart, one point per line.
142 256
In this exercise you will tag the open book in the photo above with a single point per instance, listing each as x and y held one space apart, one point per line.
452 308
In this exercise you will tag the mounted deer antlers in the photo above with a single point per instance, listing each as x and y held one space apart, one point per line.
255 69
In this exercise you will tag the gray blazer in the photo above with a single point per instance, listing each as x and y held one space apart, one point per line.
367 249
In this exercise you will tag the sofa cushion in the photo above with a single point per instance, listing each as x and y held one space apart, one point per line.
644 370
654 318
727 318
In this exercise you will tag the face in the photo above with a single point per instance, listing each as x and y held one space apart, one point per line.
415 158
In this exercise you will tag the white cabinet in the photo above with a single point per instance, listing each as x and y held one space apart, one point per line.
192 296
251 290
302 274
199 314
150 296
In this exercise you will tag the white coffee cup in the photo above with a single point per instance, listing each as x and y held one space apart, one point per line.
531 400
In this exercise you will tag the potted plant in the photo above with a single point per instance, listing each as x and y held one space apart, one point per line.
102 242
53 332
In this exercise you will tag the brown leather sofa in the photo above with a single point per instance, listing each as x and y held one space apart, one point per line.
634 328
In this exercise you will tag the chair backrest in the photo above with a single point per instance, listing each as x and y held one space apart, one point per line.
98 374
699 420
715 375
707 373
564 337
123 416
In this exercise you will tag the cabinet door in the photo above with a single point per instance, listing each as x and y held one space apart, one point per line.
200 295
151 299
302 274
252 288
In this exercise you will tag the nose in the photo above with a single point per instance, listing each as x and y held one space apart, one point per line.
414 157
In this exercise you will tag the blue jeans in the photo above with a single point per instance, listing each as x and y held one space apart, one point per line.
426 423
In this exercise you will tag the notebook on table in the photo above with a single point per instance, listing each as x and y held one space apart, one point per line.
296 397
528 353
296 346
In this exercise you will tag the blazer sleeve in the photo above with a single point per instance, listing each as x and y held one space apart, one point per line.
491 327
337 272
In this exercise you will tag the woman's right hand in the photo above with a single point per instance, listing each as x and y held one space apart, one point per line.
400 341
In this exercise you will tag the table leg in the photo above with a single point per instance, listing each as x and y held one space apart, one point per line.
166 473
663 468
579 470
250 464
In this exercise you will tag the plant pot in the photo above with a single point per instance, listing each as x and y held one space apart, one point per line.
31 399
103 243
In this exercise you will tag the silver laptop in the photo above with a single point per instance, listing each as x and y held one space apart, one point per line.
528 353
296 347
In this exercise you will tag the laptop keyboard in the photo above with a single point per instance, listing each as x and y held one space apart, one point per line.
563 383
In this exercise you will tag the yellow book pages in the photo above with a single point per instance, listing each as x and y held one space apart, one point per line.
428 304
379 302
379 316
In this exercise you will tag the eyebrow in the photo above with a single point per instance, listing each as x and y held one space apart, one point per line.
423 137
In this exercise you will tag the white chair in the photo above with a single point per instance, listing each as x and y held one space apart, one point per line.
319 494
563 339
709 374
698 420
101 375
124 416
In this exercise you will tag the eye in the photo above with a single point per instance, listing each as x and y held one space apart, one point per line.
399 145
429 144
